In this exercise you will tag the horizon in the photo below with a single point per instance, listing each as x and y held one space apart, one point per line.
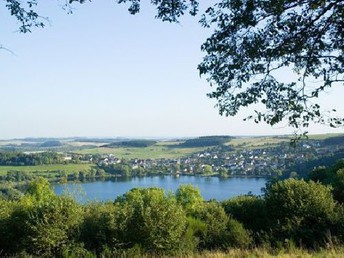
162 137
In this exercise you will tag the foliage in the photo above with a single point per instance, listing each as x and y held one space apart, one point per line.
153 220
25 14
204 141
207 169
333 176
337 140
100 226
189 197
221 230
167 10
53 143
147 222
254 41
251 212
22 159
300 211
40 223
132 143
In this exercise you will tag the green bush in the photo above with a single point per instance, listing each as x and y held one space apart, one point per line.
189 197
40 223
100 227
151 219
249 210
300 211
221 230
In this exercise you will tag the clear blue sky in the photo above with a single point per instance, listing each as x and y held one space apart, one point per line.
103 72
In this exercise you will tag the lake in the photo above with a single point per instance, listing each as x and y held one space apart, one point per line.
210 187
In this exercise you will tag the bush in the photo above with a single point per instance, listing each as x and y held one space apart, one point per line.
221 231
151 219
189 197
249 210
300 211
40 223
100 227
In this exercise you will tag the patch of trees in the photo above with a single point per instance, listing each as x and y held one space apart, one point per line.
98 140
305 168
338 140
51 144
205 141
332 176
22 159
151 222
132 143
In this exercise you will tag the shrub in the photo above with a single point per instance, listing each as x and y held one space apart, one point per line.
151 219
300 211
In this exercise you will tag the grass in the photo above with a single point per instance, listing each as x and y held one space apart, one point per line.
323 136
156 151
262 253
256 142
250 253
240 253
43 169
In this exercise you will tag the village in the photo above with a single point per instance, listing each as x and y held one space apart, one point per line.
225 161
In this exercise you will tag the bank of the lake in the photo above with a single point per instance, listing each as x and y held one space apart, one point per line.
210 187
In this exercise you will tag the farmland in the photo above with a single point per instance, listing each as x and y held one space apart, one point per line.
47 169
156 151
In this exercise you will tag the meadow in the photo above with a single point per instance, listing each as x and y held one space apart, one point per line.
47 169
157 151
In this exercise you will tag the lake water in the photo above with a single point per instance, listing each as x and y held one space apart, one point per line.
210 187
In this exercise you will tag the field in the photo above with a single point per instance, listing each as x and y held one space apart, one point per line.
257 142
162 149
157 151
43 169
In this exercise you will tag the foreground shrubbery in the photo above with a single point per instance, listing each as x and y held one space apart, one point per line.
293 213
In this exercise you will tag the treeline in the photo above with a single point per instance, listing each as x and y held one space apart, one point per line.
131 143
58 175
33 159
292 213
332 176
305 168
338 140
205 141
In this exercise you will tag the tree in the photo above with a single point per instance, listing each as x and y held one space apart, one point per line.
221 231
333 176
100 227
39 223
300 211
207 169
152 219
253 42
189 197
249 210
223 172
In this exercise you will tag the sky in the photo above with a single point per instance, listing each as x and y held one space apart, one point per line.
101 72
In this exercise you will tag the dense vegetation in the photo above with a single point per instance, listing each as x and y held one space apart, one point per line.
131 143
332 176
205 141
303 214
52 143
22 159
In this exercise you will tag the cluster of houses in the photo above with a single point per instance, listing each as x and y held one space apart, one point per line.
265 161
